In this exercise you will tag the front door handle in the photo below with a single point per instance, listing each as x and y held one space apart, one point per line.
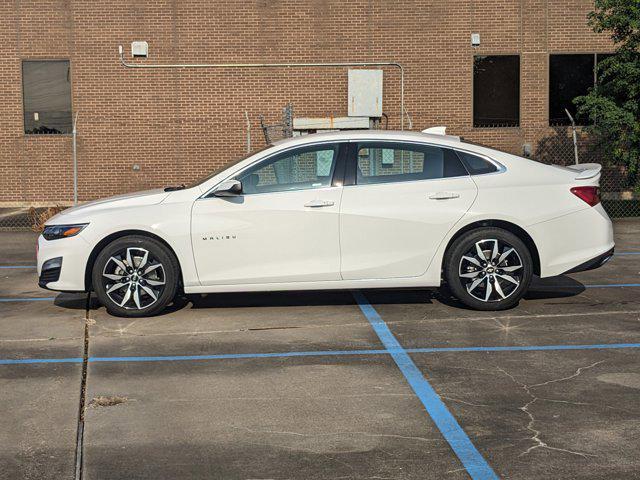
444 195
319 203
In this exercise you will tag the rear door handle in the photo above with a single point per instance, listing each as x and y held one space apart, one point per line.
444 195
319 203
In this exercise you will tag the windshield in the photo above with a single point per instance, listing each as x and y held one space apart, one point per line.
224 167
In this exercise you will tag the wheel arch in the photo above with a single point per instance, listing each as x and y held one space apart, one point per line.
518 231
124 233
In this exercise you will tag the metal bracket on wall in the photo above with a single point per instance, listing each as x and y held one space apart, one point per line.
279 65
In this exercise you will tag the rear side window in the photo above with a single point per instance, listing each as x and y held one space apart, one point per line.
385 162
476 165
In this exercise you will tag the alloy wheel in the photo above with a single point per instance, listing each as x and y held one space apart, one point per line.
491 271
133 278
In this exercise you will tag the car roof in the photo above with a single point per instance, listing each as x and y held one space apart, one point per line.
345 135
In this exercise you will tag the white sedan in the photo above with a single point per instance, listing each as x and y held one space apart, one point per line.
344 210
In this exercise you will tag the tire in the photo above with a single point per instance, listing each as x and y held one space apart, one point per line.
144 290
484 286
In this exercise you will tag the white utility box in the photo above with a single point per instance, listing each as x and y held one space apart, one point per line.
365 93
139 49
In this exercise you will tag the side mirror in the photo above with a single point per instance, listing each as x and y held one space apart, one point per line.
228 188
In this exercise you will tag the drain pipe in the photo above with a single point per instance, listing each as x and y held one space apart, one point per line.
279 65
246 116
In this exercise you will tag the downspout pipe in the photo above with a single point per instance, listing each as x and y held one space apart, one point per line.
278 65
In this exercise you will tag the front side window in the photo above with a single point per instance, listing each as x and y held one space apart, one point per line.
46 88
300 169
496 91
393 162
570 76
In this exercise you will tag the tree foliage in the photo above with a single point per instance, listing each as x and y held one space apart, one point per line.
613 105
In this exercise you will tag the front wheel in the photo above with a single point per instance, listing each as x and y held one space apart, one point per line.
488 269
135 276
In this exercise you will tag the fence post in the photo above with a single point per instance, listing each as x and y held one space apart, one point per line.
75 162
575 138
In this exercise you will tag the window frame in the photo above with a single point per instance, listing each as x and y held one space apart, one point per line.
336 180
595 80
351 173
473 86
71 104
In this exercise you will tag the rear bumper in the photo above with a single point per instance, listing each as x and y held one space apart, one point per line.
569 242
594 263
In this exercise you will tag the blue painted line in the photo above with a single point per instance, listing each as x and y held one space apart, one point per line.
222 356
22 361
604 285
475 464
524 348
27 299
17 266
626 253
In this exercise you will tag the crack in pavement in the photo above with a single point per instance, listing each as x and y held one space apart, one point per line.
332 434
539 443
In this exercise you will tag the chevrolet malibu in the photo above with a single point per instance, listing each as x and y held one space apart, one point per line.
344 210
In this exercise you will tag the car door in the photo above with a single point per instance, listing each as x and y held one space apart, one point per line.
400 199
283 227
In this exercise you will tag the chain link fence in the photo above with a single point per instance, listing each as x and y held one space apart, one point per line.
26 218
618 194
553 145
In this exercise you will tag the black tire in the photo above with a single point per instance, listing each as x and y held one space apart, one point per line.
485 278
158 275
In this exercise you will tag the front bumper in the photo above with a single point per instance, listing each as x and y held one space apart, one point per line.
73 253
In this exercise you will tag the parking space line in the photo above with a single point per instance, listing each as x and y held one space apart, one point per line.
320 353
531 348
23 361
475 464
603 285
17 266
627 253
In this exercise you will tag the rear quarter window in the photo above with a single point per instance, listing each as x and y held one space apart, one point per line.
476 165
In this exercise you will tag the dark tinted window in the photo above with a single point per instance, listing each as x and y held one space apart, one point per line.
398 162
570 76
476 165
46 87
496 91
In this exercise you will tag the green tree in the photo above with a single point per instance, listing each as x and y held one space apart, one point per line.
613 106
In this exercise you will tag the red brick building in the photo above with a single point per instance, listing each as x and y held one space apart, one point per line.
139 129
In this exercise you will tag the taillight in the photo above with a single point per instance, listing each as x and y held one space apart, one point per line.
591 195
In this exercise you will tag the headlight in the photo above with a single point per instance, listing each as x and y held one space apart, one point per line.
54 232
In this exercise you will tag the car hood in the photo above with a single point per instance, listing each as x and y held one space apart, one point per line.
135 199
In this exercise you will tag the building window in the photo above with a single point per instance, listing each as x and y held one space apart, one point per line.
570 76
496 91
46 90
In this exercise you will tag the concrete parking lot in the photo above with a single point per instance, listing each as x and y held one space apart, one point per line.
352 385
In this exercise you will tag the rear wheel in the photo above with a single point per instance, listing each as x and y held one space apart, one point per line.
135 276
488 269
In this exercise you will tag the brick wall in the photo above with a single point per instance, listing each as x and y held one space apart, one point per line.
178 125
